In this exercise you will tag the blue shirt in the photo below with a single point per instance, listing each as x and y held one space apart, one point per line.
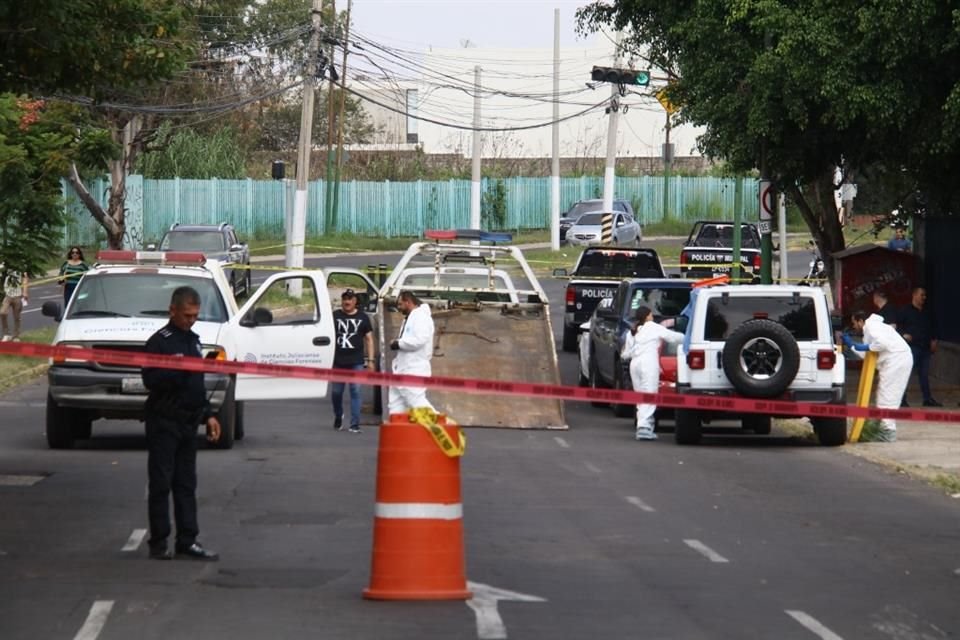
896 244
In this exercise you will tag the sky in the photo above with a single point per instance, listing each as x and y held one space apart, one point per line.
447 23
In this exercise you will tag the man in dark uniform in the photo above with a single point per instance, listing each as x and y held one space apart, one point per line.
918 329
176 405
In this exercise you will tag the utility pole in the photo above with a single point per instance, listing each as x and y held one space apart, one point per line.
477 149
343 100
296 235
667 160
736 271
331 154
609 171
555 163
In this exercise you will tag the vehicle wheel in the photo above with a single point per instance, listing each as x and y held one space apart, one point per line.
570 339
832 432
619 409
688 427
228 419
82 425
761 359
60 433
238 428
248 279
595 382
760 425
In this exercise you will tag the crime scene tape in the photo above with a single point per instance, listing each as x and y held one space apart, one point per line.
478 387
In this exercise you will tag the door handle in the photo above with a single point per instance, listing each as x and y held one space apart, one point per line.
321 341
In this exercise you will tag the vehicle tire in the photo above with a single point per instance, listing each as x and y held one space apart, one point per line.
238 427
595 382
59 425
759 424
570 339
687 429
619 409
82 425
228 419
248 282
761 359
832 432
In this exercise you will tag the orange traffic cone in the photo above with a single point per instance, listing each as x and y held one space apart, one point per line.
418 523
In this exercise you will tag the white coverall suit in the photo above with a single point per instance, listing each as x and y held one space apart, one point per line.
894 364
643 350
413 358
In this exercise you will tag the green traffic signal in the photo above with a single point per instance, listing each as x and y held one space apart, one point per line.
642 78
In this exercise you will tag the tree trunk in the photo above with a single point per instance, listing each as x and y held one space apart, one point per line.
819 210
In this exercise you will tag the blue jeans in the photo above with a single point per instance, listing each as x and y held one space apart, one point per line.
336 396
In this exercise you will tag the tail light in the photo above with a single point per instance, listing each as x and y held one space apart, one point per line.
756 261
571 297
683 258
826 359
697 359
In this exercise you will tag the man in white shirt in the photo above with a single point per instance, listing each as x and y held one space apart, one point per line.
414 347
15 296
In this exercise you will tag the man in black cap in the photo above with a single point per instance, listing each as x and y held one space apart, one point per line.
354 350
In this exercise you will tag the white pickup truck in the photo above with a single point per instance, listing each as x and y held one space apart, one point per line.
124 299
492 322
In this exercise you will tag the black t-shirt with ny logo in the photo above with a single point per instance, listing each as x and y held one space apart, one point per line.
350 330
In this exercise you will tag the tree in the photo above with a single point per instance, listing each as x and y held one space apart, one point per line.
798 89
34 152
185 153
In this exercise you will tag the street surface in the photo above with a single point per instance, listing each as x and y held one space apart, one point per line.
589 533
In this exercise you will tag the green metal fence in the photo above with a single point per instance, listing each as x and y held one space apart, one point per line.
257 207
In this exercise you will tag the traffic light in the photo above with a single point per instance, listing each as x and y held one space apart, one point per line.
621 76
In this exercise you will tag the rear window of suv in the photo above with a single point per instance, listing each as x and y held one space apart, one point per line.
799 318
193 241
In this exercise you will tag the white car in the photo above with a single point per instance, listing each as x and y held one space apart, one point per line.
588 230
120 302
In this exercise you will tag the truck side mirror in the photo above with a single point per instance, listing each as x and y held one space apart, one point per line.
51 309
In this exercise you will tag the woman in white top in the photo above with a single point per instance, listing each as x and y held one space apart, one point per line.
642 347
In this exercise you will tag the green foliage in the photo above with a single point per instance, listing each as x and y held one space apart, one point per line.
35 149
493 206
185 153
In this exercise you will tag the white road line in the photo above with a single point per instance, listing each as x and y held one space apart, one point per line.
812 624
640 504
592 467
95 620
133 543
563 443
711 555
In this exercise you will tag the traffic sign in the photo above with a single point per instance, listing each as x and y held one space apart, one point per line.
665 102
766 200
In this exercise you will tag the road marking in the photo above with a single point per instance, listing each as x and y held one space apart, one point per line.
640 504
133 543
711 555
563 443
484 604
592 467
95 620
8 480
812 624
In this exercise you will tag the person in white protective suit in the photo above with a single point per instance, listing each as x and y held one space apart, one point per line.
894 362
642 347
414 347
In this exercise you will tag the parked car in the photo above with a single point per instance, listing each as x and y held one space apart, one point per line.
217 242
573 214
708 250
604 368
625 231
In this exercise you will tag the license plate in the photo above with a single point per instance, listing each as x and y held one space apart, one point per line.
132 385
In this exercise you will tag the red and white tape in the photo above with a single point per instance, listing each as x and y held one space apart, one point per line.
475 386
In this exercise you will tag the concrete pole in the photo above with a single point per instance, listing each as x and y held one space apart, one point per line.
555 164
609 171
298 228
343 99
477 150
331 223
782 222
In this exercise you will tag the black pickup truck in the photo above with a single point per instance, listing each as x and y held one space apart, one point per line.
596 276
708 251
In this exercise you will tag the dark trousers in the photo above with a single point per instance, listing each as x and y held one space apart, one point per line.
921 365
172 467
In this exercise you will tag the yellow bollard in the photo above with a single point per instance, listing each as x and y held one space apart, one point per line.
863 391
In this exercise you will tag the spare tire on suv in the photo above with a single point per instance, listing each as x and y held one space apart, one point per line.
761 358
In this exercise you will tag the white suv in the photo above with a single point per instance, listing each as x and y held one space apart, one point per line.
761 341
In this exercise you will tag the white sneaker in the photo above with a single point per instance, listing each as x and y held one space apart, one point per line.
5 339
16 340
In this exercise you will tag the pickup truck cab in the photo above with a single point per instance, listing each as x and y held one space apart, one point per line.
769 342
596 275
124 298
708 250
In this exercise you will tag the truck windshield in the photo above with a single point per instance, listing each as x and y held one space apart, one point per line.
193 241
141 295
620 263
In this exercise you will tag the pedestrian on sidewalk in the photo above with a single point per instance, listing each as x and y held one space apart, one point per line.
70 273
894 361
919 330
354 350
15 297
414 347
642 346
885 310
899 241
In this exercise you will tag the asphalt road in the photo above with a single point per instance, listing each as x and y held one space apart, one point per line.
741 537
